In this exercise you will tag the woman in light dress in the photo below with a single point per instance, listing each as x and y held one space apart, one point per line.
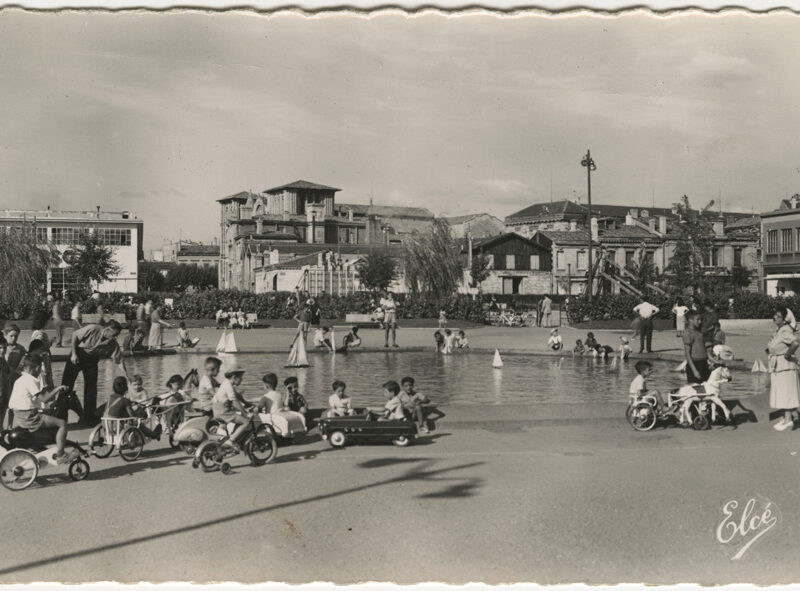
784 388
680 310
156 340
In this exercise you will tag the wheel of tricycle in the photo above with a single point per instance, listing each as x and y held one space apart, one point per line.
188 448
643 417
402 441
79 469
700 422
207 456
225 468
99 442
18 469
337 439
131 444
261 449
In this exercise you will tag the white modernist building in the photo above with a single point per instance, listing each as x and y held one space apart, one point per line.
121 230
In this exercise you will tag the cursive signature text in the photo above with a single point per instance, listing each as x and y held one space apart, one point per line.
745 525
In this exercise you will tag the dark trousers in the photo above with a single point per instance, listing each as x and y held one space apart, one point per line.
703 371
646 335
88 365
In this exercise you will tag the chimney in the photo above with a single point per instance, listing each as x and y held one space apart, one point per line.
719 228
793 200
651 222
573 226
274 256
662 224
629 220
634 212
595 231
350 215
97 215
259 226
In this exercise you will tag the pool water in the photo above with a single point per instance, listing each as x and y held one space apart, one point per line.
454 379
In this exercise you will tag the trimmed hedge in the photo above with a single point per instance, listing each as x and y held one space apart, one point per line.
620 307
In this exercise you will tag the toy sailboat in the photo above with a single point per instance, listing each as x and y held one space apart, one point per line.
497 362
759 367
227 343
613 363
297 356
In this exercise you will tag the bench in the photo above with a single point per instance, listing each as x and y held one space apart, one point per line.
95 318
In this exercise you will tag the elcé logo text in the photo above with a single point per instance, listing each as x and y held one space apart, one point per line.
744 524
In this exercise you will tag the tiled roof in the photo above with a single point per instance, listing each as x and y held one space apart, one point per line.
488 240
303 248
240 196
564 237
384 210
555 208
303 186
627 233
744 223
198 250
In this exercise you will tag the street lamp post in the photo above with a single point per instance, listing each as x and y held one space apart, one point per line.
590 166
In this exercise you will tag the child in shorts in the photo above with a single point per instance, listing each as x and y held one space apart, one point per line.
393 409
228 407
412 402
624 347
340 405
208 384
639 387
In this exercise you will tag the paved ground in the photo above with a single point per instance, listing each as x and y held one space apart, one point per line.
552 493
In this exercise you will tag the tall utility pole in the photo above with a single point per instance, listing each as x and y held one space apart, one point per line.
590 166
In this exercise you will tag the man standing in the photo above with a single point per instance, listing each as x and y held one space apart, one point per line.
389 307
645 310
88 345
547 311
697 370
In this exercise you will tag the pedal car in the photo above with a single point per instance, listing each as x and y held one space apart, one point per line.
25 453
285 424
688 406
364 427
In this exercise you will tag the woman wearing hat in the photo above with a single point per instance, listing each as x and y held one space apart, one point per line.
227 405
784 387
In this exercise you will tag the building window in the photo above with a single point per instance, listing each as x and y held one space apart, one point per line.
66 236
561 261
711 258
772 241
787 244
582 260
63 279
534 262
629 264
41 234
510 262
115 236
737 255
650 257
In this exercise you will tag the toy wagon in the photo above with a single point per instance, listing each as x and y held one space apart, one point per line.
365 428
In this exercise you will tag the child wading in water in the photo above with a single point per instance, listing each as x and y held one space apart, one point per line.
555 342
579 349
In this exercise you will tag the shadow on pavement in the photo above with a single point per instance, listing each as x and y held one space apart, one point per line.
464 486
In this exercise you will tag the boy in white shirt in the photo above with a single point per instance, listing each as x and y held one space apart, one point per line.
340 404
393 409
208 384
639 387
227 406
27 399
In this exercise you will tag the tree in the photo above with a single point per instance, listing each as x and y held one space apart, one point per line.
432 262
740 278
182 277
150 278
92 260
377 271
24 262
479 270
694 243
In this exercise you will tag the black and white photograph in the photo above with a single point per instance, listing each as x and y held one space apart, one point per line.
399 296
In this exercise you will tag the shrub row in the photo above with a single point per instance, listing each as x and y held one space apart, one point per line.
620 307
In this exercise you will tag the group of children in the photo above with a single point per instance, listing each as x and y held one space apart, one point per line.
403 401
590 346
231 319
448 341
323 339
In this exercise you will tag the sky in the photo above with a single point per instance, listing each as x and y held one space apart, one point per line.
164 113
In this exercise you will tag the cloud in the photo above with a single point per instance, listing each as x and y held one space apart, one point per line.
718 69
505 186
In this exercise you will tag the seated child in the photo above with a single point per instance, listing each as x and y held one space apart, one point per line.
393 409
294 400
590 341
462 342
719 335
322 338
555 342
138 340
412 402
624 347
340 405
173 395
271 401
184 340
139 394
449 341
208 385
228 406
120 407
579 349
439 338
351 339
639 387
28 397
